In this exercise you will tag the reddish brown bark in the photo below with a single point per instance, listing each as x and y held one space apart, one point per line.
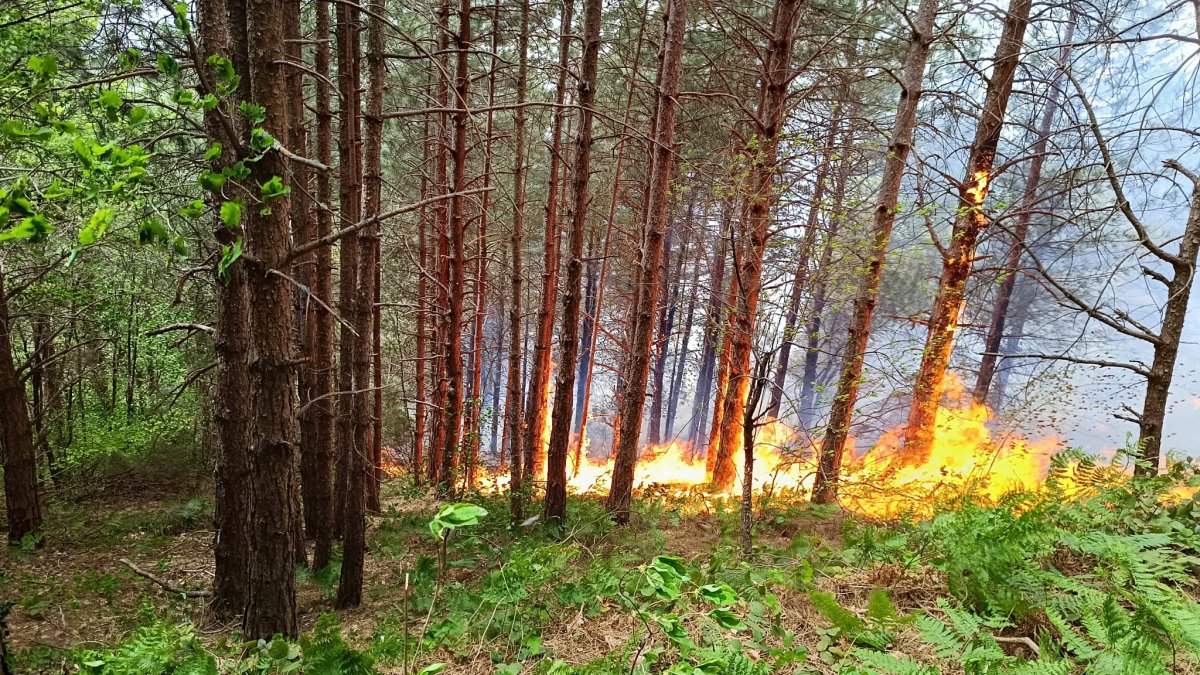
968 225
272 604
633 399
590 350
1029 200
452 421
350 211
362 460
231 407
22 506
318 420
512 402
560 430
764 169
536 412
846 397
475 431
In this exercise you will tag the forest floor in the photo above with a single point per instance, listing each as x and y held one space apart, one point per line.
1007 588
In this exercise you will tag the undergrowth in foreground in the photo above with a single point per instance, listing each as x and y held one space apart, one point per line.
1052 583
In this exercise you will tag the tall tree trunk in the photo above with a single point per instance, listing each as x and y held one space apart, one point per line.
475 431
590 351
586 331
764 171
668 282
457 281
1166 350
442 219
318 421
681 355
968 224
304 310
837 215
564 388
536 411
22 506
800 280
833 444
272 605
362 464
633 399
350 211
512 402
714 318
231 488
1029 200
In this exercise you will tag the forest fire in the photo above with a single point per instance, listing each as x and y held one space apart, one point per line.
966 459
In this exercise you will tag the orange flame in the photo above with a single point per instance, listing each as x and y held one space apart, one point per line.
966 460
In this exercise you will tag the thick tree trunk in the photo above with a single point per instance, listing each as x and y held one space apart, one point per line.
1029 200
846 397
633 399
560 429
442 218
22 506
764 171
968 225
272 605
512 402
585 338
231 409
475 430
536 412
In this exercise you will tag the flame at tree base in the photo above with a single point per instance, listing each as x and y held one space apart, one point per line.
965 462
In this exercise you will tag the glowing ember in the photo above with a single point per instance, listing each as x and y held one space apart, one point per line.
979 188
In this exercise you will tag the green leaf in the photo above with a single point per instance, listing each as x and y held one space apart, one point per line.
212 181
453 516
193 210
720 595
184 97
34 228
152 231
274 189
726 619
260 140
179 246
213 152
255 114
97 226
181 18
229 255
231 214
110 99
138 114
44 66
167 65
432 669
